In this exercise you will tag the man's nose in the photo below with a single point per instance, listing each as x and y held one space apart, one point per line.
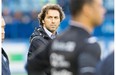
53 20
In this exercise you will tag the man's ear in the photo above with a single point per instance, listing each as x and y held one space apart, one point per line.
87 10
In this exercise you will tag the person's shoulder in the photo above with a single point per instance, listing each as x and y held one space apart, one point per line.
106 67
90 45
68 34
36 34
109 60
4 53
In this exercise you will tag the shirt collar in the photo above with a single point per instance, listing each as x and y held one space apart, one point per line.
78 24
48 32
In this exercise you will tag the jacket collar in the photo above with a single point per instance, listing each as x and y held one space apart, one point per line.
78 24
42 32
4 54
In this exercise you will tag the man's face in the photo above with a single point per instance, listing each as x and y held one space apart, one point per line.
98 12
2 30
51 20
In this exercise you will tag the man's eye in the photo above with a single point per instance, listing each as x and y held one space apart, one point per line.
56 17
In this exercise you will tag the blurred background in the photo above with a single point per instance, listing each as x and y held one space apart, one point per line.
21 19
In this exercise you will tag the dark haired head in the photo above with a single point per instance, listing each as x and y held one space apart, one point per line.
77 5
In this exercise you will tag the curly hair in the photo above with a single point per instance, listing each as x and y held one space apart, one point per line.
48 7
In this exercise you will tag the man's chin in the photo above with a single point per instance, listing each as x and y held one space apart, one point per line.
53 29
99 23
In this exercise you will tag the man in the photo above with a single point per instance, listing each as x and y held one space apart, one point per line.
50 17
75 52
106 67
5 61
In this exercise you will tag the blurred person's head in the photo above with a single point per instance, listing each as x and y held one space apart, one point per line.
6 12
50 17
34 14
2 30
18 15
91 11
